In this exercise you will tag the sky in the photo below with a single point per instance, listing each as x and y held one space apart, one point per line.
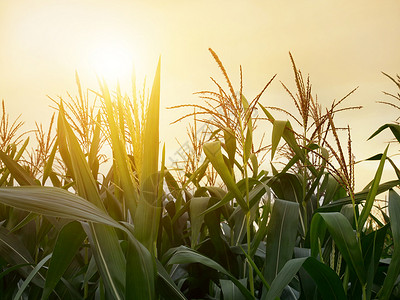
340 44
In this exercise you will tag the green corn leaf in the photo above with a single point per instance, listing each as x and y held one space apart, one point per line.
197 206
281 237
287 134
167 286
30 277
230 290
13 251
6 172
185 255
49 163
255 268
173 187
214 154
121 159
262 231
230 145
343 235
254 195
12 269
146 221
104 240
248 143
395 128
55 202
94 146
337 204
24 221
254 164
141 272
277 133
372 192
151 134
287 186
394 267
267 113
372 246
19 173
109 258
327 281
60 203
68 243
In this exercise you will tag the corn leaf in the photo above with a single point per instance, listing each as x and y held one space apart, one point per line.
372 192
343 235
230 290
6 172
68 243
166 285
337 204
49 163
121 161
230 145
394 267
277 132
31 276
248 143
281 237
184 255
19 173
395 128
327 281
197 206
140 272
104 240
146 221
13 251
214 154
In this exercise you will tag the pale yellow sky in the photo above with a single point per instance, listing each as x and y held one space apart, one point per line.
341 44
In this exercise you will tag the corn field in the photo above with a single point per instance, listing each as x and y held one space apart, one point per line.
77 224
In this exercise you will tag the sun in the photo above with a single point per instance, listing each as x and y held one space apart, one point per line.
112 62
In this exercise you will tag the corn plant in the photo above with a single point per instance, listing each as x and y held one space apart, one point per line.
224 228
97 255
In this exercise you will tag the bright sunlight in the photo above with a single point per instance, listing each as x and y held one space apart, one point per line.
112 62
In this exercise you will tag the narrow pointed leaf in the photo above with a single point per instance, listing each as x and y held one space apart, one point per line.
372 192
395 128
230 144
104 240
328 283
20 174
123 167
394 267
344 237
185 255
214 154
15 253
197 206
230 290
55 202
277 132
281 237
140 274
164 279
248 144
31 276
68 243
49 163
146 221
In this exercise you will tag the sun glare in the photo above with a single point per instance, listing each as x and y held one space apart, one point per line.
113 63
